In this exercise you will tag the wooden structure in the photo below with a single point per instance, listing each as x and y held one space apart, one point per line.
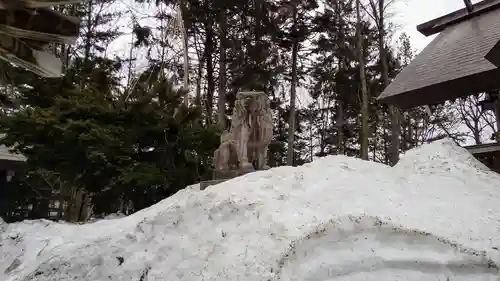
28 27
464 59
49 207
488 154
9 164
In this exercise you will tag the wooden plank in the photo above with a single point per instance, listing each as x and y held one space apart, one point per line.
39 3
41 25
483 148
40 62
439 24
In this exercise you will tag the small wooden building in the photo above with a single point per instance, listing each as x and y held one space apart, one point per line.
48 206
10 163
488 154
463 60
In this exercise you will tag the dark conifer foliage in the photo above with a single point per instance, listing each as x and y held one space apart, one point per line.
110 137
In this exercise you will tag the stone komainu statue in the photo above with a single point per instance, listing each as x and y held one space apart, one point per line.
250 134
261 131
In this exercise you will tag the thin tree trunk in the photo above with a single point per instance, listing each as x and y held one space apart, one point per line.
293 93
311 144
496 107
404 133
221 104
182 11
410 133
340 122
198 98
364 91
385 137
88 44
209 49
394 112
340 127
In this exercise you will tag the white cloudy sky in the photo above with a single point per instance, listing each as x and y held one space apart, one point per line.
406 14
410 13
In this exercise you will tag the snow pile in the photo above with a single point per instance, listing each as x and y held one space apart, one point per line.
435 216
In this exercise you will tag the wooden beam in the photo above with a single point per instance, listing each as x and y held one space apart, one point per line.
439 24
483 148
41 24
21 54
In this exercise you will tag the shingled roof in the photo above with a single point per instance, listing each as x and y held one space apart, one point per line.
459 62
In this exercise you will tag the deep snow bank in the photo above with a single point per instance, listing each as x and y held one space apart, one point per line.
435 216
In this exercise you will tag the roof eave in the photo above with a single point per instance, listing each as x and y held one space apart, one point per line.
493 55
439 24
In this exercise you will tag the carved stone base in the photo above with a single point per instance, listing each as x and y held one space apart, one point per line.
205 184
229 174
220 177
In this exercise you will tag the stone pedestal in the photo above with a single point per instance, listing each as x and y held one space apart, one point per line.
223 176
205 184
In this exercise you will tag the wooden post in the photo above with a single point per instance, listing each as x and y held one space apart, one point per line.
496 109
3 193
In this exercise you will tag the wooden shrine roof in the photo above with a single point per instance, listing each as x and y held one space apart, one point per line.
459 62
6 155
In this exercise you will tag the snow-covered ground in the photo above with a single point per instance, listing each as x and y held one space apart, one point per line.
435 216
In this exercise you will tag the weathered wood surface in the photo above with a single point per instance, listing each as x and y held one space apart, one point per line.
42 24
439 24
28 26
18 52
453 65
5 4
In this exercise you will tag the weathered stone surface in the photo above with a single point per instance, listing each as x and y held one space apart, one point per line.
244 147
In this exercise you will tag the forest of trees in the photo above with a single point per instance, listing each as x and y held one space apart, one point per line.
120 138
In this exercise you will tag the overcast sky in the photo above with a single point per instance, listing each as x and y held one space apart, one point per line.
410 13
407 14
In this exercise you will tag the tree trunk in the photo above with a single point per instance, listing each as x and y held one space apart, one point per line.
411 142
393 111
198 98
385 137
404 133
364 91
340 122
221 104
209 50
340 127
311 146
183 11
293 93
